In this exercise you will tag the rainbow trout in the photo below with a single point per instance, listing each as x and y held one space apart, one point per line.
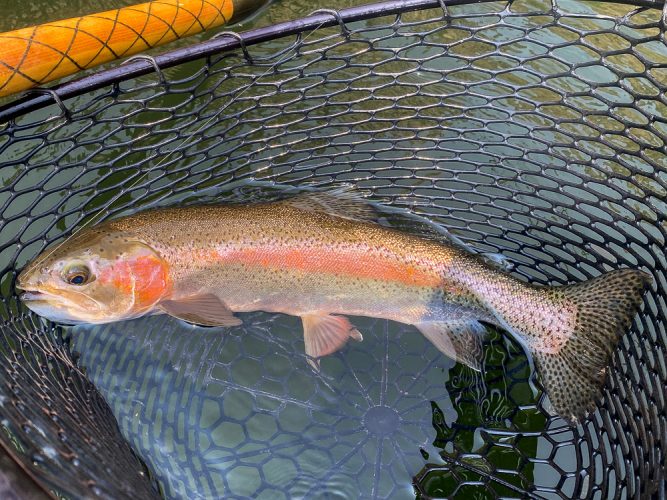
322 257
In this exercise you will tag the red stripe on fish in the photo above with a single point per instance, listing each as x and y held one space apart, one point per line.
356 262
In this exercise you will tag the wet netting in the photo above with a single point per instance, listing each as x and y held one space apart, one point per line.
532 129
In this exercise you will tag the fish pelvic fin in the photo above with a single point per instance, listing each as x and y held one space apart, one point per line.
459 340
604 308
324 334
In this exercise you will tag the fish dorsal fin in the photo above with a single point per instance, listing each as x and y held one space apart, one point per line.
204 309
459 340
342 202
324 334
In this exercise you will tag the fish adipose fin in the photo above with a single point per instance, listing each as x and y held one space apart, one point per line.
324 334
605 307
342 202
459 340
205 310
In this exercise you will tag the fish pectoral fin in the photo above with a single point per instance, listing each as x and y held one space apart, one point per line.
342 202
204 309
324 334
459 340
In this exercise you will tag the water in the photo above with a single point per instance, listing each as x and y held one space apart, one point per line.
239 411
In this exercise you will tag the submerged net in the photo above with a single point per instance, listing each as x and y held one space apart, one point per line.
532 129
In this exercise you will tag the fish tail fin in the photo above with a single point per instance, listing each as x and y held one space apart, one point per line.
603 307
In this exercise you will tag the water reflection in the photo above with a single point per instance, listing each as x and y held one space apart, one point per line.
488 438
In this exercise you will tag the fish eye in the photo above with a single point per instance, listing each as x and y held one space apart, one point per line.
77 274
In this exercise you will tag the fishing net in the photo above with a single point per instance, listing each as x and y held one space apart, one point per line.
531 129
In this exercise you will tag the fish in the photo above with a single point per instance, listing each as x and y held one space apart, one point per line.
323 256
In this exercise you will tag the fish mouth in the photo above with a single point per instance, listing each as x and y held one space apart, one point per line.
32 296
50 306
30 293
37 296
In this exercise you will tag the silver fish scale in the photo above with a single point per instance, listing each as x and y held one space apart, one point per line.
532 129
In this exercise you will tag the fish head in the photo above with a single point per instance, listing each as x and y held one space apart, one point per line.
96 276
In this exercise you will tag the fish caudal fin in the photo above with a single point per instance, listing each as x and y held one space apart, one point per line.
604 308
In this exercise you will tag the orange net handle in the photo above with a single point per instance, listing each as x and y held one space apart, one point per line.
39 54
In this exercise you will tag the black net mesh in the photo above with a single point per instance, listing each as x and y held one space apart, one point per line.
532 129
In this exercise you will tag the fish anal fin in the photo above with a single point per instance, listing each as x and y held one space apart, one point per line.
325 334
342 202
459 340
203 309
